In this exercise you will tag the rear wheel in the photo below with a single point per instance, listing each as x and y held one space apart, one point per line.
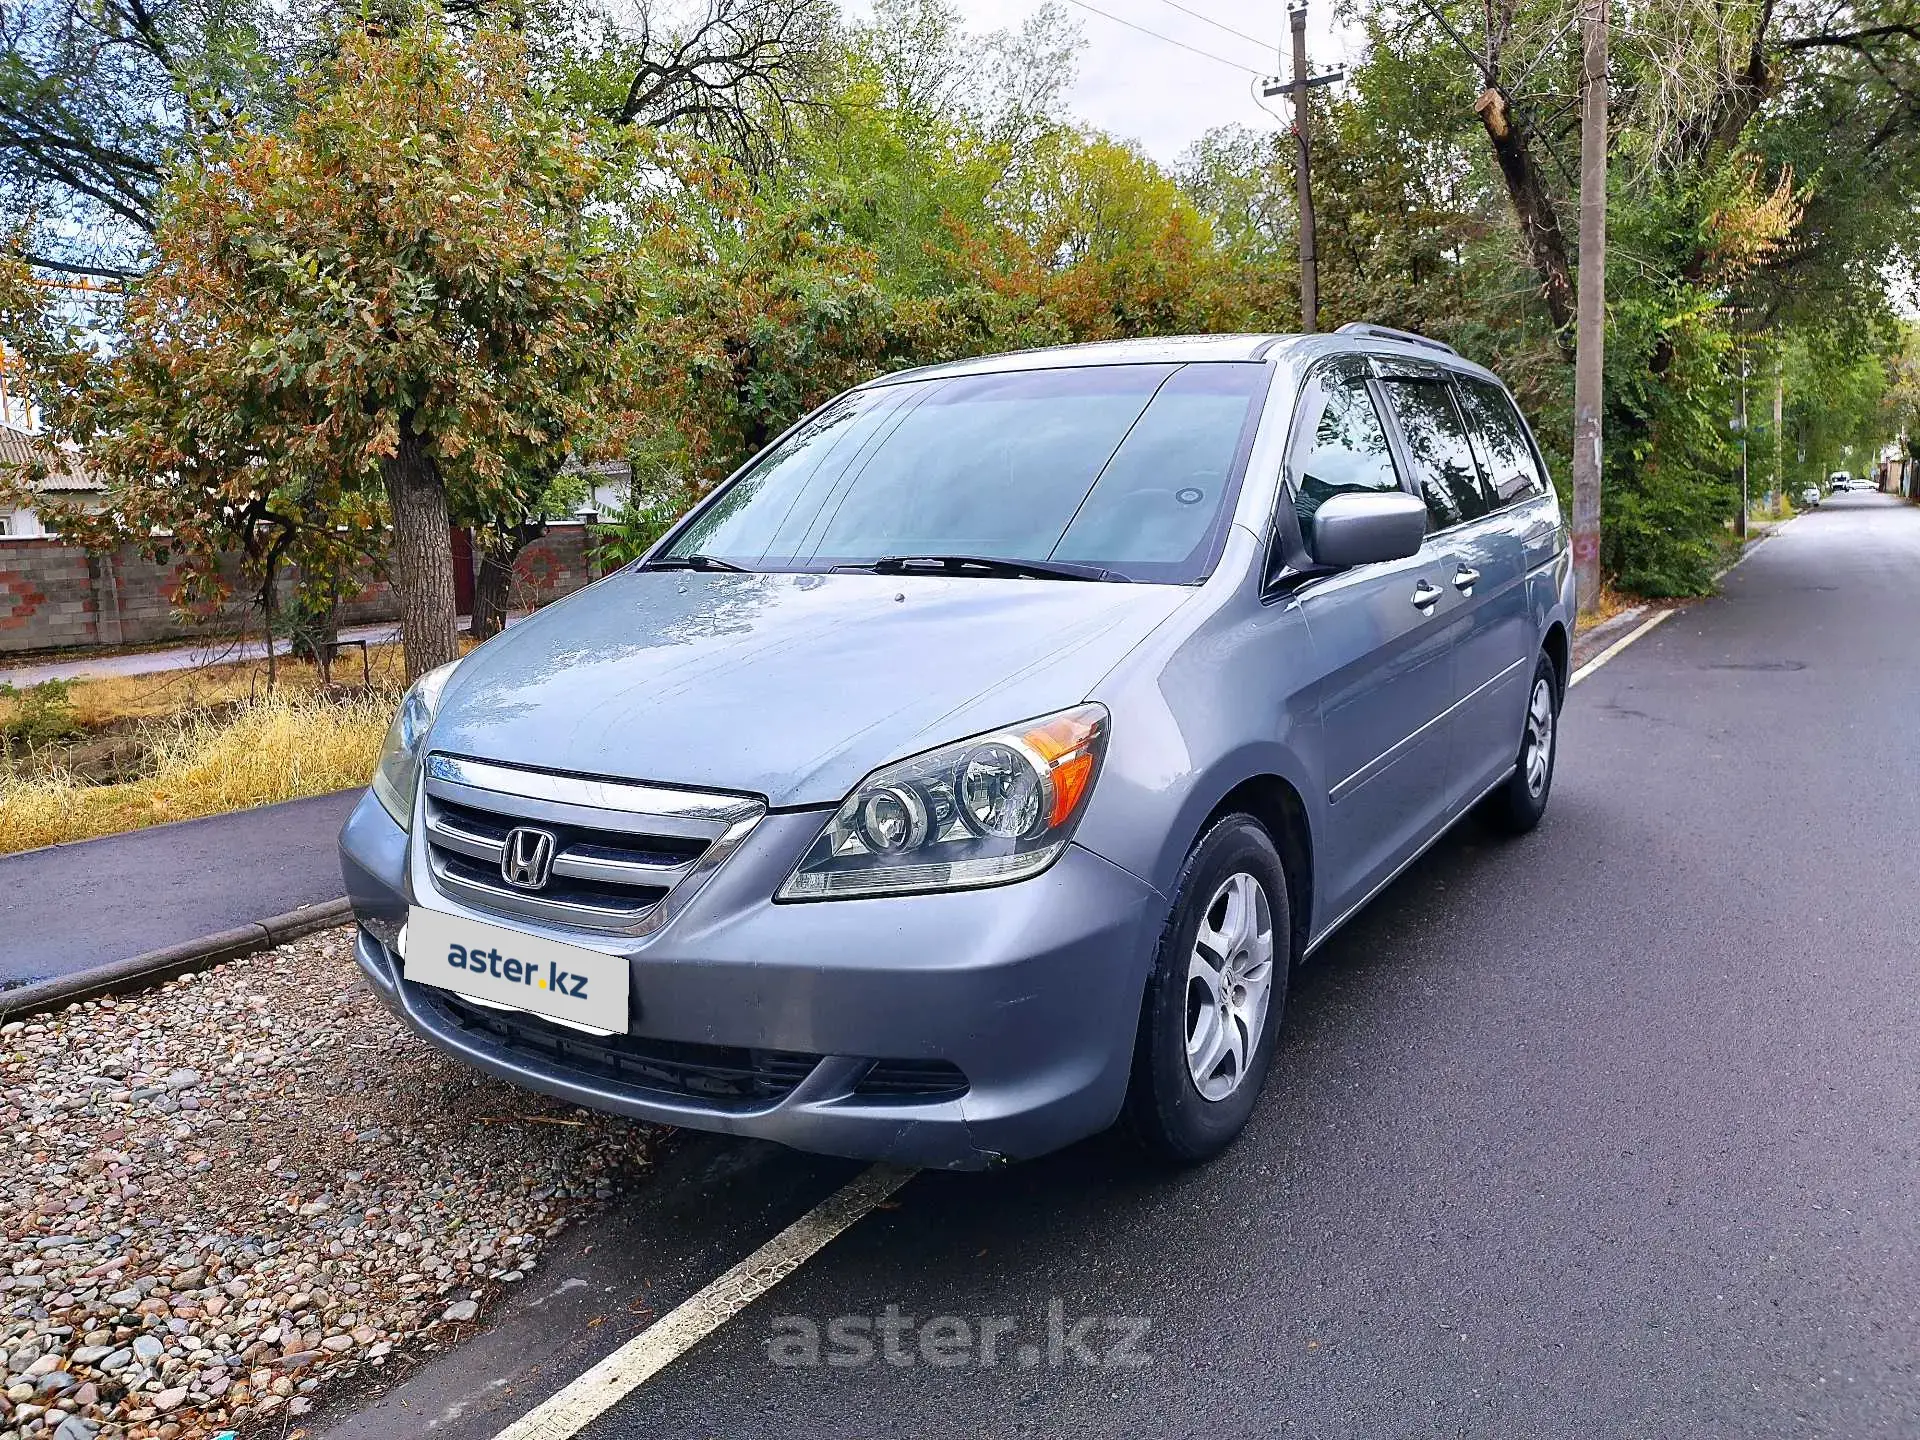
1215 999
1516 807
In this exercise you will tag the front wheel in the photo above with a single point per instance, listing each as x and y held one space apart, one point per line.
1215 998
1516 807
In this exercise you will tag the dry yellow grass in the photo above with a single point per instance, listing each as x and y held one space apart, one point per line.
1611 603
270 750
101 702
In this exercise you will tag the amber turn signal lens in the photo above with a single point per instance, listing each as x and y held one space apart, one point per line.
1067 744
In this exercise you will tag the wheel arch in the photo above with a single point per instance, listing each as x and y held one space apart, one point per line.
1277 804
1560 650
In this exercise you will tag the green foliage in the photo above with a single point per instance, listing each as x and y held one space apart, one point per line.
480 239
628 532
429 255
1752 220
42 714
1670 475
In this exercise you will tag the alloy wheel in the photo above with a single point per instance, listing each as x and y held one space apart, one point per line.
1229 982
1536 753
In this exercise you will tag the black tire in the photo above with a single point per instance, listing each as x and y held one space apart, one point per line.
1166 1113
1516 807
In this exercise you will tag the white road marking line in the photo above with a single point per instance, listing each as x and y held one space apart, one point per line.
678 1331
1626 640
1614 649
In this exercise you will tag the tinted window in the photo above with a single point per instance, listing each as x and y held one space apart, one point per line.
1438 448
1125 466
1342 445
1507 458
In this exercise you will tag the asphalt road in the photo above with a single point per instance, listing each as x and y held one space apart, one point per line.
70 907
1607 1132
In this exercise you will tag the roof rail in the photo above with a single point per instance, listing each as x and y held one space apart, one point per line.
1387 332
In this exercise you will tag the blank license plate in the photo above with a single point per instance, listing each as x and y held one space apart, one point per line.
498 966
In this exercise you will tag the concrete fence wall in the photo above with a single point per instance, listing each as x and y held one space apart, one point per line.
54 595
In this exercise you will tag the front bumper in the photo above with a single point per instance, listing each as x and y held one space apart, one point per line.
1031 990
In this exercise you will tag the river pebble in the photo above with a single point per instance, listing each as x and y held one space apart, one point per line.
226 1197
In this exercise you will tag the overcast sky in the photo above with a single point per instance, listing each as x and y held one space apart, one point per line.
1154 91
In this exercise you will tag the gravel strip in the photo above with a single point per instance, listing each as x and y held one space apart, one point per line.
222 1195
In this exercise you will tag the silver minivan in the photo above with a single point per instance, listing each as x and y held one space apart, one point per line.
968 772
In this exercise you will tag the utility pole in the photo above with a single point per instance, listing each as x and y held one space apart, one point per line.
1740 424
1779 409
1590 312
1296 89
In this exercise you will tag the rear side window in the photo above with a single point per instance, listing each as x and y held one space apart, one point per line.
1507 459
1343 444
1439 450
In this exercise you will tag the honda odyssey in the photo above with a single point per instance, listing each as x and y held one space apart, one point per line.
968 772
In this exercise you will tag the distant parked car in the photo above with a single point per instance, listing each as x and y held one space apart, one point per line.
1810 497
970 771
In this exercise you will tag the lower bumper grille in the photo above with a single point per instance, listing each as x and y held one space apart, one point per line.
912 1080
721 1075
725 1076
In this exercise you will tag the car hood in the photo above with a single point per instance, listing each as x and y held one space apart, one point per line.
791 686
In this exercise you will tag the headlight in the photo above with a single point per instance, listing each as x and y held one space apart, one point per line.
397 777
985 811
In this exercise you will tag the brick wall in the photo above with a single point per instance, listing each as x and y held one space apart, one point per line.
554 565
54 595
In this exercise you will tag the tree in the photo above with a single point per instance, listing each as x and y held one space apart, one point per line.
175 490
93 100
99 98
415 292
1237 177
730 77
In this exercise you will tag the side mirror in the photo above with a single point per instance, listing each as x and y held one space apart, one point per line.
1365 527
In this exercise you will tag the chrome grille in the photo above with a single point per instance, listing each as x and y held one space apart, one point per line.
625 856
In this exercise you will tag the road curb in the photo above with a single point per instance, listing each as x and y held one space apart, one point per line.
189 955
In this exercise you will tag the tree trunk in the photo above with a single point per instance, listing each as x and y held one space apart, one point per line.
493 582
267 597
422 554
1589 347
1539 223
492 585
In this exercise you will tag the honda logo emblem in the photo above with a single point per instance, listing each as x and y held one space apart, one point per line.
527 858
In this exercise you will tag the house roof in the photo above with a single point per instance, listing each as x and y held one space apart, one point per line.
17 447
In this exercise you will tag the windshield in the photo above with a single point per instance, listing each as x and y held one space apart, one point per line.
1124 468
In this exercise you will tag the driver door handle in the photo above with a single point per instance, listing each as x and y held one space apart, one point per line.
1425 596
1465 578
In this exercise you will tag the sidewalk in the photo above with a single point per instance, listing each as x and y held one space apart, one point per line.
71 907
224 651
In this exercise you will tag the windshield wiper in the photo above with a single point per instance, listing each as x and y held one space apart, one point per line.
694 562
987 565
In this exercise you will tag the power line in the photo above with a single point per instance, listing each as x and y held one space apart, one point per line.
1209 20
1167 39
